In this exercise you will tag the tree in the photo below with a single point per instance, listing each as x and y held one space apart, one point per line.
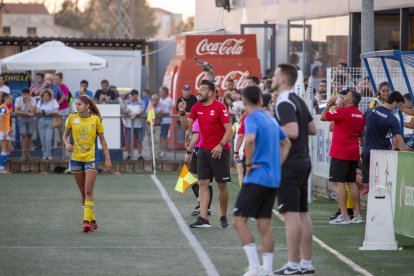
100 18
70 16
187 25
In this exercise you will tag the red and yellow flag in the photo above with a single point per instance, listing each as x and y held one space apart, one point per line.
185 180
151 114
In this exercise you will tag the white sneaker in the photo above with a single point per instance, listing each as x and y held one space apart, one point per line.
256 272
340 220
357 220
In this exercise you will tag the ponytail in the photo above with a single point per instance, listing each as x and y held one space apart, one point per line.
92 106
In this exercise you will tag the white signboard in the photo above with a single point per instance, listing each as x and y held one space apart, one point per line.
320 150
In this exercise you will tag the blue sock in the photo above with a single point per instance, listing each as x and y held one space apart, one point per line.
3 159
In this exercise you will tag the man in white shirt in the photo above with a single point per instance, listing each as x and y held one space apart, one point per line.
25 107
133 108
167 102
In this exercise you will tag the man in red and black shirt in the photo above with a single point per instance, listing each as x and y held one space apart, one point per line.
348 128
213 158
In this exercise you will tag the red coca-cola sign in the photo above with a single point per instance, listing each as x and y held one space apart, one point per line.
239 78
216 46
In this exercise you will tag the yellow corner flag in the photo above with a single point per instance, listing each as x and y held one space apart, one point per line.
151 114
185 180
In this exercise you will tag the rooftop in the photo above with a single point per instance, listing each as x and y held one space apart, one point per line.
24 8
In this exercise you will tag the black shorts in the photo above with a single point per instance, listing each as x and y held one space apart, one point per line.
292 195
366 158
255 201
209 167
193 162
343 171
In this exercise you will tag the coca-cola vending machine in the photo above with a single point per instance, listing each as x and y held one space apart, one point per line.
232 57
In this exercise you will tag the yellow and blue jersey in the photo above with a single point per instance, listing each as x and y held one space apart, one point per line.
85 133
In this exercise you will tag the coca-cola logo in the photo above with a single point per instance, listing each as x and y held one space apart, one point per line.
239 78
230 46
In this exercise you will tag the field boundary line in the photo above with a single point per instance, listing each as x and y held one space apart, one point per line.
198 249
341 257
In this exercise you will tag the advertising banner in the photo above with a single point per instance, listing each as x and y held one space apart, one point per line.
321 144
404 205
383 171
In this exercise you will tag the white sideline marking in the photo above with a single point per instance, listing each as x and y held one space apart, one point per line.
202 255
341 257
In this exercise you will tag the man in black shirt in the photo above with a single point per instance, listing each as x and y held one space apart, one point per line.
190 101
105 95
188 98
297 122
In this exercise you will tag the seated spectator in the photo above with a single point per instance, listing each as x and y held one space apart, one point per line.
105 95
25 107
132 108
83 90
46 107
383 93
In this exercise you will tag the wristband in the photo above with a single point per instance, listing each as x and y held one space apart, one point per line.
182 113
222 144
188 152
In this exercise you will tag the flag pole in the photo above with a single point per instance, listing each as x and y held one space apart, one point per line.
153 150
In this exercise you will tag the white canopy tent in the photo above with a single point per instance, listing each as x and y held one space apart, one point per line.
52 55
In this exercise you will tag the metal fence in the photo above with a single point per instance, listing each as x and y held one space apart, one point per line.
175 139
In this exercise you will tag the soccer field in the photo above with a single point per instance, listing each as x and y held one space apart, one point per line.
40 232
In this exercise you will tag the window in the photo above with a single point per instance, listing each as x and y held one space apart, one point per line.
319 44
6 30
31 31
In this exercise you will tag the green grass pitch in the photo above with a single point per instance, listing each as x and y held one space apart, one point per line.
40 232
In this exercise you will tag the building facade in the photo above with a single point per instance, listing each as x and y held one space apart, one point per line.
168 23
33 20
314 34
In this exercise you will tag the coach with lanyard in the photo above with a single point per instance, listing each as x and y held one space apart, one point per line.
213 158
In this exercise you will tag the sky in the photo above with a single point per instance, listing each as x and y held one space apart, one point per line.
185 7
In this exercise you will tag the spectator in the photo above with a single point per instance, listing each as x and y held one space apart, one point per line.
314 61
294 60
349 127
105 95
64 105
237 106
46 107
37 86
167 102
159 111
228 102
320 95
132 108
25 108
408 105
52 86
83 90
3 87
146 96
365 87
382 130
230 86
383 93
252 81
188 98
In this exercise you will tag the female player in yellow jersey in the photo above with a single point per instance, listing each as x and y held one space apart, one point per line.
86 126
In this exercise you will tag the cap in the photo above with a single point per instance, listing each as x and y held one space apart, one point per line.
186 87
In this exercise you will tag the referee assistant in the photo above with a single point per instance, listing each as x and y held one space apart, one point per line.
213 157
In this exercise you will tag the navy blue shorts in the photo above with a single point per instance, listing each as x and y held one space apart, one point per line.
164 130
79 167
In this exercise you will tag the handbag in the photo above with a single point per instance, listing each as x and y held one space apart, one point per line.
57 122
